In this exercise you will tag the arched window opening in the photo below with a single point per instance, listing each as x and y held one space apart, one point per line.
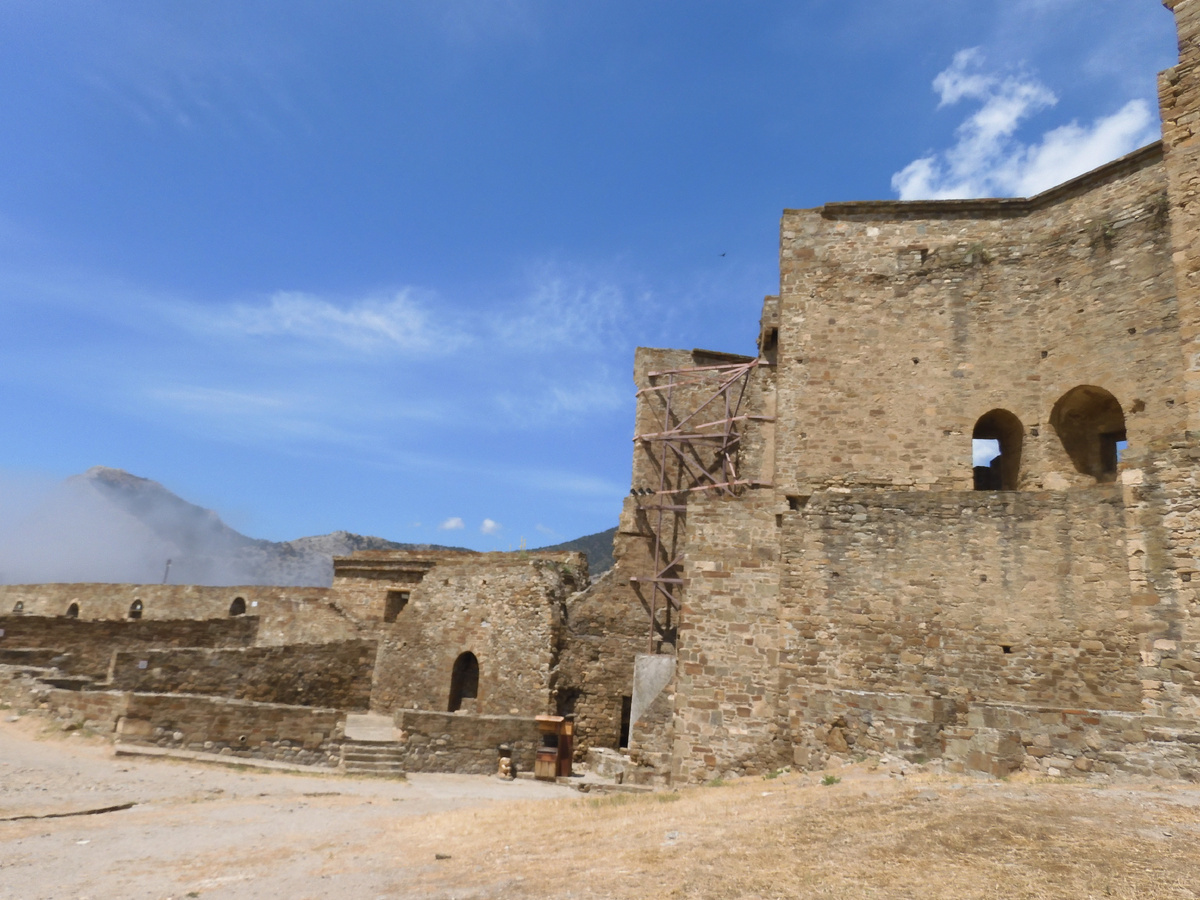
238 606
19 608
73 611
464 682
996 451
1091 425
135 609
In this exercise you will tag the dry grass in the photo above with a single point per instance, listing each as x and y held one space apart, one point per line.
868 836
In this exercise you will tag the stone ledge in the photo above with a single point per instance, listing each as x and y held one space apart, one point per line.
217 759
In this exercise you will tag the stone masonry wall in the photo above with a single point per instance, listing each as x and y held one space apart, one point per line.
336 675
606 627
729 648
239 728
99 711
1179 104
901 324
466 744
88 646
1011 596
505 608
287 614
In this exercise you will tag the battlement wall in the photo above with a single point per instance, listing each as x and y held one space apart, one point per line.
87 647
336 675
287 614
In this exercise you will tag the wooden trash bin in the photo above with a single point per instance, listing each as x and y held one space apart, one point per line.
553 759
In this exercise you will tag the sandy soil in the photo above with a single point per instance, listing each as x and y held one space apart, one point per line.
212 832
199 831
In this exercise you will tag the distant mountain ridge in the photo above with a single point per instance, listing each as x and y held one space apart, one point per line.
598 547
108 525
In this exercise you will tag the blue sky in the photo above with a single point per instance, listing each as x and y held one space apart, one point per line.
382 266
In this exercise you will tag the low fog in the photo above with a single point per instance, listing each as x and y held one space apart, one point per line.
109 526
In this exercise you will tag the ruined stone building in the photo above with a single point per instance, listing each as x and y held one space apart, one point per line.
829 570
809 566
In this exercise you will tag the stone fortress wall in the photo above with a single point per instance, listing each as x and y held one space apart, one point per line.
862 589
884 596
272 673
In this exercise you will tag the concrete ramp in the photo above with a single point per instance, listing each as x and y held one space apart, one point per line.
370 728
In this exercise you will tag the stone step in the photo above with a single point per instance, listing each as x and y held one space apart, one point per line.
374 769
69 682
373 758
372 755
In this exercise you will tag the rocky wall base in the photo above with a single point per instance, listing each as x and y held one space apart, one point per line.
1002 739
465 744
998 739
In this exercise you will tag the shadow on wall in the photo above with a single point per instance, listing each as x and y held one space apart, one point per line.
1091 425
464 682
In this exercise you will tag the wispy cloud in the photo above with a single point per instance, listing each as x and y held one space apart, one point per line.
454 523
490 526
988 159
565 308
396 323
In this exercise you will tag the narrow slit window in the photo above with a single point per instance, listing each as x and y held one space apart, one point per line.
393 604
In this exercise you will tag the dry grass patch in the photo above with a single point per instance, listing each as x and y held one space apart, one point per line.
869 836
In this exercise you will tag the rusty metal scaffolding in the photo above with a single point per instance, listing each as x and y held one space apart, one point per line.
689 457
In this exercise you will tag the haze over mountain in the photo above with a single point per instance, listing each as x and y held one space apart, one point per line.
598 547
108 525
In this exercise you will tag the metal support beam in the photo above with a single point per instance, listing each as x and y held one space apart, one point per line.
689 457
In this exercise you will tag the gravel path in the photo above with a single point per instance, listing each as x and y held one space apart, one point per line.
205 831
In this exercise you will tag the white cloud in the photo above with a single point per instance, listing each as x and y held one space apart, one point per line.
454 523
207 400
490 527
567 309
370 324
989 161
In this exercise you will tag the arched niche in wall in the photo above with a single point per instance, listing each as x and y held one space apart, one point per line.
135 609
996 443
238 606
19 608
1091 425
464 681
73 611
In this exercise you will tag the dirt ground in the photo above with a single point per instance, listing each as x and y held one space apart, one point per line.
200 831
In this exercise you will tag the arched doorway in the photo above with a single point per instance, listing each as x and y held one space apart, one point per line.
73 611
996 445
1091 425
238 606
464 682
135 609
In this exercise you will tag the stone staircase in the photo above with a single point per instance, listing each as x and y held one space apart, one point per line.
372 758
371 747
